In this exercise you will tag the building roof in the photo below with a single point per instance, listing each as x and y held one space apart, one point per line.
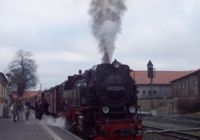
160 77
187 75
27 94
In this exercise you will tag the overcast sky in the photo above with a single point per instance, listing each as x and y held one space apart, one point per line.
58 34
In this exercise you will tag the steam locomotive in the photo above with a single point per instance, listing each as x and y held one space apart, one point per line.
99 104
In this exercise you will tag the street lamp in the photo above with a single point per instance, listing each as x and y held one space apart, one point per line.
151 75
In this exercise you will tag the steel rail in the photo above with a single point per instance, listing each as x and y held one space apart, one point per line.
174 133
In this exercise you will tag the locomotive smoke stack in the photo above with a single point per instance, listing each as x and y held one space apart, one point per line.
106 23
80 72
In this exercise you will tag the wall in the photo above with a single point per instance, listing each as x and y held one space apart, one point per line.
187 86
159 91
3 90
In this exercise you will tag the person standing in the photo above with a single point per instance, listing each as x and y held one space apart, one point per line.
37 109
27 111
28 104
44 107
40 110
20 109
15 111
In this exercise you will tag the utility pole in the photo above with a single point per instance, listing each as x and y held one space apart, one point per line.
151 75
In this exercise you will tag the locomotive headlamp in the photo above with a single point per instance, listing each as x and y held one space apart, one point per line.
80 117
132 109
105 109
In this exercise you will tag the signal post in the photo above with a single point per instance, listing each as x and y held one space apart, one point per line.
150 74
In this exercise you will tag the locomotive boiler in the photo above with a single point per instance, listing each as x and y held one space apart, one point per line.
102 103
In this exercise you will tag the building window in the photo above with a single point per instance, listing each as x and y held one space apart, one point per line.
154 92
144 92
149 92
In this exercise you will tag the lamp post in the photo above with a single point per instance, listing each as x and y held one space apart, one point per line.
151 75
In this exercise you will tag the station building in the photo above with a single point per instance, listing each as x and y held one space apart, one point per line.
3 93
187 85
3 89
161 86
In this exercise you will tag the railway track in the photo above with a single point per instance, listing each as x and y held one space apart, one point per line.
175 120
181 135
177 134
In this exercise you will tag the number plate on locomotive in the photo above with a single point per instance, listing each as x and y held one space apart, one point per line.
115 88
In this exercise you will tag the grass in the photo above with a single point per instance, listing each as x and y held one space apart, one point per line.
160 105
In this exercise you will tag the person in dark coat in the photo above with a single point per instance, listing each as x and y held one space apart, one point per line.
28 104
37 109
20 109
45 107
40 110
15 111
27 108
41 107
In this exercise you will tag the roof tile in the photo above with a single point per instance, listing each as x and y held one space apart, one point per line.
161 77
27 94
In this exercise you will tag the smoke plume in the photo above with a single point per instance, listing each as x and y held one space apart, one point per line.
106 23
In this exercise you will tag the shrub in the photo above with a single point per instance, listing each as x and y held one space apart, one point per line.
188 105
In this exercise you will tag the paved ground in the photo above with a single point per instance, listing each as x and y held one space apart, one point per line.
31 130
21 130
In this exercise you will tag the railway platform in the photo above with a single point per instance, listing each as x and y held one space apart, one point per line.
32 130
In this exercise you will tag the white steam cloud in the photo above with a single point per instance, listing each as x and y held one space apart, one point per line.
106 23
58 122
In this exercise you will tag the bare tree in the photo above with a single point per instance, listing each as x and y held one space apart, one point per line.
22 72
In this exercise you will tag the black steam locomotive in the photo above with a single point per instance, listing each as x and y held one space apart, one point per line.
102 102
99 104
